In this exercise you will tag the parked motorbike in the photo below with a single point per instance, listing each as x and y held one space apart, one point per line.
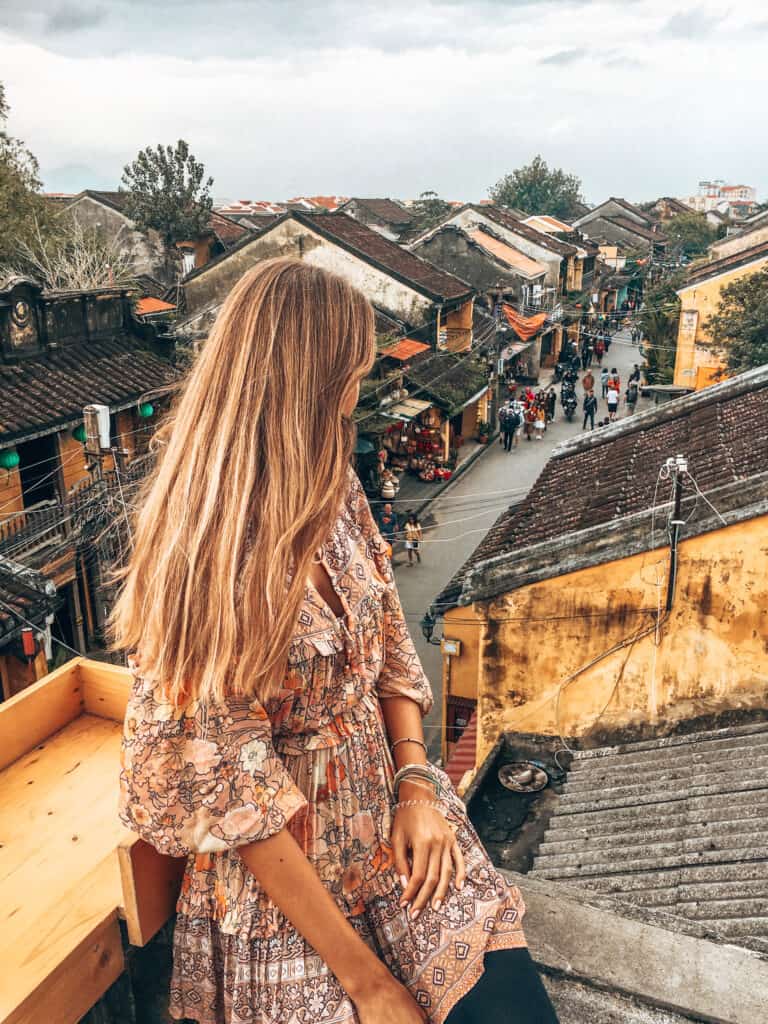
569 406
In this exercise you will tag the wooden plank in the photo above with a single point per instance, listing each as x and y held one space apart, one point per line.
151 884
65 960
106 688
39 711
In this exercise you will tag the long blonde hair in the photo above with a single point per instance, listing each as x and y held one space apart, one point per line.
251 472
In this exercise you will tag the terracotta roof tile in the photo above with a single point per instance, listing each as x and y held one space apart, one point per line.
505 219
732 262
387 210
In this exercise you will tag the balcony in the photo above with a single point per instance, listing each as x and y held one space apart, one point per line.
69 871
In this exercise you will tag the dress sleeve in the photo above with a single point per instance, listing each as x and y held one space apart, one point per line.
401 674
201 780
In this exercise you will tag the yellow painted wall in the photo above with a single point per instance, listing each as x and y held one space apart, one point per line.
459 320
712 655
699 302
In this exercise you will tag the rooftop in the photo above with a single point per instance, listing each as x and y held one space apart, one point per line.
727 263
637 229
507 254
543 222
592 501
386 210
512 223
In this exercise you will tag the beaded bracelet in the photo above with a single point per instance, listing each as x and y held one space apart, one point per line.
427 772
410 803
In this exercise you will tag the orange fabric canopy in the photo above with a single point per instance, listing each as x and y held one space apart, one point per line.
149 304
404 349
524 326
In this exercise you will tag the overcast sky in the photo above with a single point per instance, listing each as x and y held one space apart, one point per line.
640 98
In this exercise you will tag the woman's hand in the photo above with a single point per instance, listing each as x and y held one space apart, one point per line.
435 854
388 1002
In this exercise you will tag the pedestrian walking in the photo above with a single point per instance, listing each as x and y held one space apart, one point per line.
635 375
388 526
614 380
413 537
512 422
588 381
599 351
590 408
613 403
631 395
529 418
540 423
604 374
551 404
502 417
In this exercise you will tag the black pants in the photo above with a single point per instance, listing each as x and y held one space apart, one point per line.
508 435
509 991
591 417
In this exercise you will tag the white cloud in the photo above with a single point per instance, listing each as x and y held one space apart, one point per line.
395 98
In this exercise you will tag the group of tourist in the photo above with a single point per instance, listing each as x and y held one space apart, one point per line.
526 413
610 382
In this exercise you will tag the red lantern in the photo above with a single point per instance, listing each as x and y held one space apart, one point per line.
28 642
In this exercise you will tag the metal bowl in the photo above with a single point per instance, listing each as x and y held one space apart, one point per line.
523 777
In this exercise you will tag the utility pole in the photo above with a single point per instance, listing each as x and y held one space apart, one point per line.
678 467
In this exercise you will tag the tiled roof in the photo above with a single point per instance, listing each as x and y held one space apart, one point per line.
362 240
507 254
732 262
675 823
386 210
114 199
637 229
543 222
448 378
225 229
506 220
51 391
608 475
676 204
628 207
405 349
20 595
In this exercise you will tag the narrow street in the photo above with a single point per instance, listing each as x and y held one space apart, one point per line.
459 519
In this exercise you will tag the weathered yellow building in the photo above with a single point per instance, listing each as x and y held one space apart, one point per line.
561 611
695 365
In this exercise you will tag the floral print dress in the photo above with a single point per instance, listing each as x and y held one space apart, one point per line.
200 782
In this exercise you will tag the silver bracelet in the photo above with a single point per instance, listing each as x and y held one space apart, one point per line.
427 772
409 739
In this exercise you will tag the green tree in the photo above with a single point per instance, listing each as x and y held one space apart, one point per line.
429 209
168 192
659 319
738 330
690 233
24 212
537 189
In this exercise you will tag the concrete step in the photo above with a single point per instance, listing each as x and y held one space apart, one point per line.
738 873
710 911
682 768
673 783
649 831
716 809
755 927
677 898
724 737
639 849
580 867
637 796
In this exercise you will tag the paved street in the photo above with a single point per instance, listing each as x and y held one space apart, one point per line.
461 516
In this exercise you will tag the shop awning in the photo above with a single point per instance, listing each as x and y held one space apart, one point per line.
525 327
407 410
405 349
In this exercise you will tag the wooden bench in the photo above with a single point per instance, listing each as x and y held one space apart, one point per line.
68 869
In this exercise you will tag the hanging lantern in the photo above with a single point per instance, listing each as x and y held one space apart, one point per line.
28 642
79 433
9 458
146 409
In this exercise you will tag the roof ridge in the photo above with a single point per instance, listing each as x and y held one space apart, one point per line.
709 269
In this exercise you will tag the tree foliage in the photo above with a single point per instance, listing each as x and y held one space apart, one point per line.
690 233
23 210
429 209
659 319
537 189
168 192
738 330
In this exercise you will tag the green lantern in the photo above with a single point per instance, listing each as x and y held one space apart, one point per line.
79 432
146 409
9 458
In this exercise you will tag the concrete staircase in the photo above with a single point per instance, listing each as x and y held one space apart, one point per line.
679 824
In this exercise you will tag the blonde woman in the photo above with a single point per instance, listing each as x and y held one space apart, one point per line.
273 736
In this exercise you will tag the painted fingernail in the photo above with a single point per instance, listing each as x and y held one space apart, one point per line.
403 902
415 914
403 881
437 904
